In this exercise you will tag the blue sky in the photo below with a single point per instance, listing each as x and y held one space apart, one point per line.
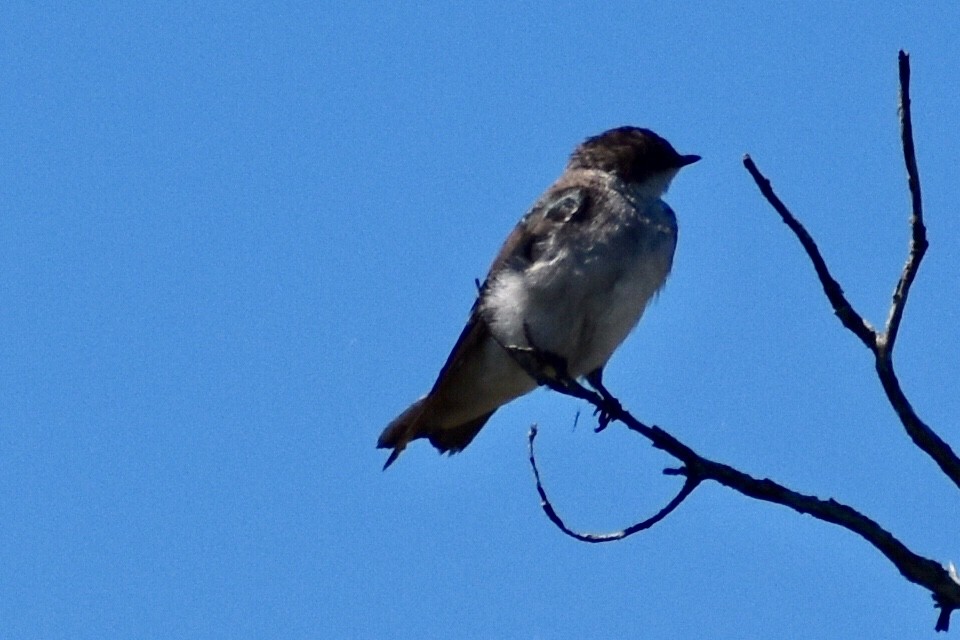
236 240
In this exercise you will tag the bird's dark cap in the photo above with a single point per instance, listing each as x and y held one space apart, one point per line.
631 153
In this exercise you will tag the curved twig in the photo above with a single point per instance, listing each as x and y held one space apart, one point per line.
691 483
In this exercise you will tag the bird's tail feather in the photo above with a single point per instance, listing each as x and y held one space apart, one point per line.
402 430
455 439
419 421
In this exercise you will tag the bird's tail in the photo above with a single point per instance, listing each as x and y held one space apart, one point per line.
420 420
402 429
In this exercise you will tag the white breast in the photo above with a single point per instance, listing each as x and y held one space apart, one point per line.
584 300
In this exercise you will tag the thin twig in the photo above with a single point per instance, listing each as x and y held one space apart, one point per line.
689 485
918 237
841 306
882 347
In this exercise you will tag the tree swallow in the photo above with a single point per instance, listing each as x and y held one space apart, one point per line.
571 280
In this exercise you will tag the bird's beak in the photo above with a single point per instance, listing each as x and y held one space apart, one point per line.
685 160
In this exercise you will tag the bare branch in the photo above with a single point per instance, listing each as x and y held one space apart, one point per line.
918 238
917 569
881 345
691 483
920 433
841 306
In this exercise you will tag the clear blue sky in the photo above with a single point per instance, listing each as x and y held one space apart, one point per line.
235 240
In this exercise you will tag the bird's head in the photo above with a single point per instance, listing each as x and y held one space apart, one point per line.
639 157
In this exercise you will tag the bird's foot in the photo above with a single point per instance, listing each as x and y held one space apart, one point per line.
611 406
607 414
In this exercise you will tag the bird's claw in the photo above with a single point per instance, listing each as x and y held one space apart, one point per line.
608 413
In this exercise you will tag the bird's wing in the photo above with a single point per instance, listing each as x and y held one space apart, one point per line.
556 208
471 338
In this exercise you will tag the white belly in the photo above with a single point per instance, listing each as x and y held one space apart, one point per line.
582 304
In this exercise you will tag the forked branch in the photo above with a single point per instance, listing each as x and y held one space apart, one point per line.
881 344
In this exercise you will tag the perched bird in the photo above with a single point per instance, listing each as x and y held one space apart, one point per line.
571 280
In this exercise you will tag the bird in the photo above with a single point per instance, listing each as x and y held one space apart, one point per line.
571 281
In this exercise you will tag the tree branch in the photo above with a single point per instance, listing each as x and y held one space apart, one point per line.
881 345
925 438
841 306
917 569
918 239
